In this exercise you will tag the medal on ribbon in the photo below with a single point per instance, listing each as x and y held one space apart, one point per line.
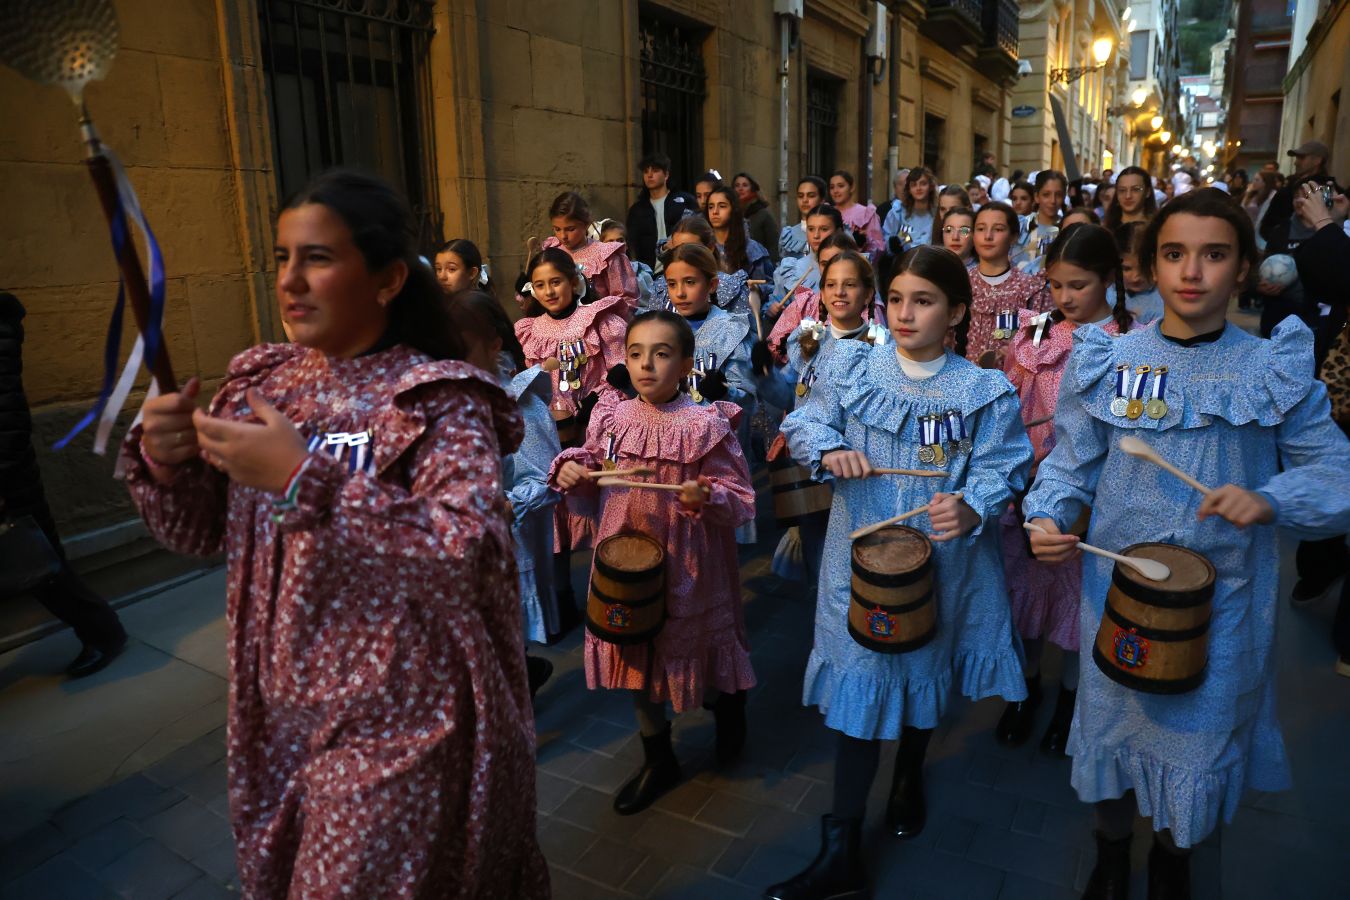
1135 408
1004 325
611 459
1041 322
930 441
1156 407
956 428
1121 404
694 377
804 383
579 352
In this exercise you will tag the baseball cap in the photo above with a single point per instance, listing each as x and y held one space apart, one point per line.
1311 148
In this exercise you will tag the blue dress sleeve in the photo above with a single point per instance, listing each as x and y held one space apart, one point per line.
1312 494
1066 481
1000 460
817 425
526 470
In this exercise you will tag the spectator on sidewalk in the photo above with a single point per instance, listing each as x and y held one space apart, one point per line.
1279 228
652 218
758 217
65 595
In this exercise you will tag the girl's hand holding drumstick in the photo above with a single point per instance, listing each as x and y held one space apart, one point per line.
570 474
1238 505
846 464
1049 545
695 493
950 517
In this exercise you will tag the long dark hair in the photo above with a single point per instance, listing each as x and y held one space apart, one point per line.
938 237
736 247
471 256
1114 212
915 174
382 228
477 313
866 277
1205 203
1092 247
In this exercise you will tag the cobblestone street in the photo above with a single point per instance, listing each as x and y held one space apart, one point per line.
116 786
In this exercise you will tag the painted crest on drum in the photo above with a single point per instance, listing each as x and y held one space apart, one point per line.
618 617
1131 649
880 624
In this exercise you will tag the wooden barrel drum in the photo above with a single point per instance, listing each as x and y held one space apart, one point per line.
892 610
796 498
627 602
1154 636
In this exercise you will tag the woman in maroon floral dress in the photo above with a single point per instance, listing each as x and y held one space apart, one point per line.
381 741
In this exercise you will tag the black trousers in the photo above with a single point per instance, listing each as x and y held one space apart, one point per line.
67 597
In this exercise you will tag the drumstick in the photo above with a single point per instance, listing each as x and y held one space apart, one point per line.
623 482
896 520
1034 422
756 309
1149 568
619 473
755 281
918 473
1140 450
551 364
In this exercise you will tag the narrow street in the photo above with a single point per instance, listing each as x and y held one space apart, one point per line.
115 786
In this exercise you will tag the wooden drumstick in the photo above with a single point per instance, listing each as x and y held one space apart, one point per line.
551 364
1140 450
649 485
619 473
1149 568
918 473
895 520
756 309
756 281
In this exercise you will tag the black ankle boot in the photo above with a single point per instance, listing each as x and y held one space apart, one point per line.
907 808
1169 873
836 872
1110 879
659 773
537 670
1014 727
729 712
1057 735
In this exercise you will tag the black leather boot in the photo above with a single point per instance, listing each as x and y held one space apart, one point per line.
906 808
1110 879
659 773
1169 873
837 871
95 659
1014 727
1057 735
538 670
729 712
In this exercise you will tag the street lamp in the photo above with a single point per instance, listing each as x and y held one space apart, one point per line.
1101 52
1139 96
1165 136
1155 123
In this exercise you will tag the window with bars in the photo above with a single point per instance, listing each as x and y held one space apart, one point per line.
673 84
348 85
822 123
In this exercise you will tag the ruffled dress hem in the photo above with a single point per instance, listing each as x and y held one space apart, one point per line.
680 681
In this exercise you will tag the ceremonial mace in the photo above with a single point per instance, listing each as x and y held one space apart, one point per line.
71 43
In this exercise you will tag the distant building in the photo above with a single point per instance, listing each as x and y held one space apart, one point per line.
1203 123
1154 116
1255 64
1317 80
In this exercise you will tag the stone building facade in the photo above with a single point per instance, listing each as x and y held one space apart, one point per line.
1318 78
482 110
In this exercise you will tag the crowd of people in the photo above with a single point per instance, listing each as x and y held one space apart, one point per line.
401 491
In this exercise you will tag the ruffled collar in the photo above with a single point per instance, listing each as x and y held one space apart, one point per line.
533 380
680 430
539 330
1239 378
593 257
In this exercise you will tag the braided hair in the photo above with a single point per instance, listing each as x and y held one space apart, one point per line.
1092 247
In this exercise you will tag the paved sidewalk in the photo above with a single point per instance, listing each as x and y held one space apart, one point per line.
115 786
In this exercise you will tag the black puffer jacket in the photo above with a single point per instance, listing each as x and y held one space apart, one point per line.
20 479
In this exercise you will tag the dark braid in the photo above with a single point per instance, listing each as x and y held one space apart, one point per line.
1093 248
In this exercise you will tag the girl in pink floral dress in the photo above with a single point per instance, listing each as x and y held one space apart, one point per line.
1081 265
586 340
999 292
604 264
860 219
381 741
700 653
